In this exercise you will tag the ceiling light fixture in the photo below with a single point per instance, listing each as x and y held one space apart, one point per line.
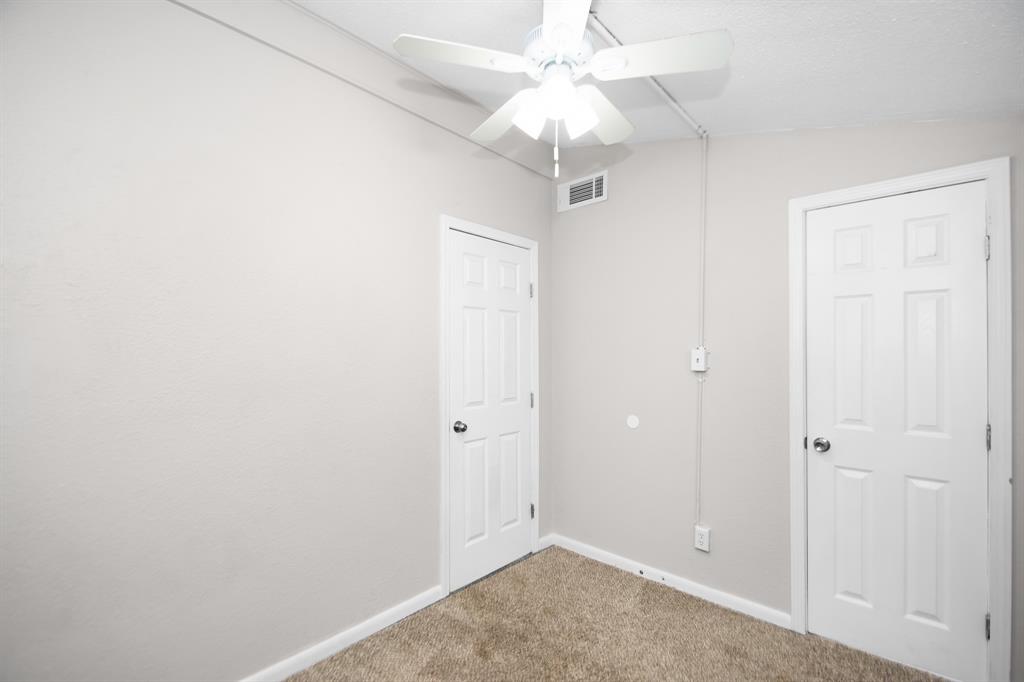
559 53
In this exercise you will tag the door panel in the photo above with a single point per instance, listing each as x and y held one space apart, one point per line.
896 361
474 356
853 534
510 500
926 359
489 391
474 457
509 360
926 537
853 317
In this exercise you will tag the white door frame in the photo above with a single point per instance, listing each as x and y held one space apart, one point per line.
448 224
996 174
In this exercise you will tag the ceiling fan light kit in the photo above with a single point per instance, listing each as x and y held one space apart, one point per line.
528 116
557 55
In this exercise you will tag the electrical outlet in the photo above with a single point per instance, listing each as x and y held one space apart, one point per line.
702 538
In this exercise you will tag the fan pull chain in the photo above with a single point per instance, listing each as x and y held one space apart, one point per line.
556 149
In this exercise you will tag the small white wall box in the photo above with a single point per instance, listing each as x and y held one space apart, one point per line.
700 358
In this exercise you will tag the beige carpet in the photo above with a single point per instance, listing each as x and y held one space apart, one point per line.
560 616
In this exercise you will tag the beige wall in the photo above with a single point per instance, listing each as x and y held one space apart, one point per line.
624 320
220 323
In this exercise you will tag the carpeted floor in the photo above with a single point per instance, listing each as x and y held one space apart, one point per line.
561 616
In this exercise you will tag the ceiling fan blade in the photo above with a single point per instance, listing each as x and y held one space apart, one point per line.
457 53
502 119
564 23
612 127
694 52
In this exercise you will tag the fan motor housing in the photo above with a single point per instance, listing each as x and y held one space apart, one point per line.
542 54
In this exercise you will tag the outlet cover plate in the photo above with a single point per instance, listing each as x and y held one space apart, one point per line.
702 538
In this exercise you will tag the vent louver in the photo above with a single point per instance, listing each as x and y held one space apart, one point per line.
583 191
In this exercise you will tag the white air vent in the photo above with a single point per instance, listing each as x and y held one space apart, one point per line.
588 190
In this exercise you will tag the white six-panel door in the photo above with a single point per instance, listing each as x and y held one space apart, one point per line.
489 391
896 372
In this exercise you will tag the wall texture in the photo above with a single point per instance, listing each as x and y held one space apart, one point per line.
220 326
624 320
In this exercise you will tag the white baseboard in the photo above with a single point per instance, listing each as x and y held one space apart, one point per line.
333 645
729 601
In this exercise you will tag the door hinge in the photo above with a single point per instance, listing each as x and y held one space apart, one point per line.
988 437
533 510
988 626
531 289
988 247
805 442
531 398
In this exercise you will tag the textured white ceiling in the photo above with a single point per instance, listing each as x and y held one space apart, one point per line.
797 63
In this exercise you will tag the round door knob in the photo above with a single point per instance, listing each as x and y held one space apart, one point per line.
822 444
460 427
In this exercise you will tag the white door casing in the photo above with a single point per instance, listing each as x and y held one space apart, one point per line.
896 369
490 341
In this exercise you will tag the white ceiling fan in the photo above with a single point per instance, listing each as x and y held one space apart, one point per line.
559 53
